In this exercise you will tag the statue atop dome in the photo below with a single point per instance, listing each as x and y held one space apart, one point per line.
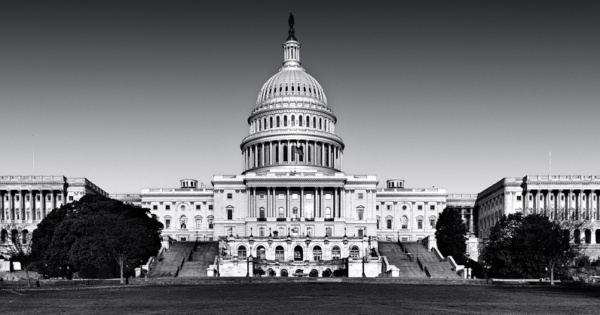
291 32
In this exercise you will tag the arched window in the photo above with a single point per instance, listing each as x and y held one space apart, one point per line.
242 251
298 256
285 153
25 232
360 211
271 122
279 253
265 123
336 253
317 253
307 121
261 253
300 120
285 120
354 252
14 236
281 212
598 236
314 122
327 213
261 213
293 121
588 236
577 237
3 236
404 222
278 121
320 123
183 222
259 124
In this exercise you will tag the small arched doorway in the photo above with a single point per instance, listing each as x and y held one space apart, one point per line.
298 254
260 252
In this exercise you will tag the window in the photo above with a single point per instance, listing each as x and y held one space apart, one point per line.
308 197
198 223
261 196
317 253
70 198
327 213
377 207
229 196
242 251
282 214
279 253
295 196
183 222
281 196
182 208
389 224
167 223
210 207
360 195
230 214
404 207
309 231
389 207
361 232
197 207
167 207
261 231
210 221
261 213
336 253
432 207
354 252
420 207
361 212
404 223
432 222
260 253
419 223
154 207
328 231
328 196
519 198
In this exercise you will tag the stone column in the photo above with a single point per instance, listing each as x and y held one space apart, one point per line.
269 206
11 215
287 201
321 202
342 202
301 208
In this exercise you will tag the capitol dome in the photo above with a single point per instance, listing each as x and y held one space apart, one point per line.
292 128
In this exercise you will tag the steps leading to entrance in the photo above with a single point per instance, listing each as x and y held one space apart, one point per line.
203 256
171 261
411 269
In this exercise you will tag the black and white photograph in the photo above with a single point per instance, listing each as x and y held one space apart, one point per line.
299 157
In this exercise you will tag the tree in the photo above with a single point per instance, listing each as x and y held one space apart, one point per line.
529 247
20 250
96 231
451 234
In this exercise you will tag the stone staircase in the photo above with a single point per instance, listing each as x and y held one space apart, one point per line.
397 257
203 255
170 262
430 262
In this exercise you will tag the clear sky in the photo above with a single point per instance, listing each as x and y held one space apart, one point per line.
453 94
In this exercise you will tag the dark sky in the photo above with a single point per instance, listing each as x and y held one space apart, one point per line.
453 94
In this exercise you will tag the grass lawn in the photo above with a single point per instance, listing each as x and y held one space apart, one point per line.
303 298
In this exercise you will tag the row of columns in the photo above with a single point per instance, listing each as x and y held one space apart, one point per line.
582 203
286 121
23 205
293 152
317 202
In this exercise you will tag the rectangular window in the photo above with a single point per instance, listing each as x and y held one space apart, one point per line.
197 207
154 207
420 207
229 196
295 196
389 207
230 230
360 232
328 196
59 198
281 196
27 198
389 224
432 207
329 231
261 196
167 223
198 224
419 224
360 195
308 197
432 223
70 198
377 207
168 207
309 231
229 214
519 198
210 207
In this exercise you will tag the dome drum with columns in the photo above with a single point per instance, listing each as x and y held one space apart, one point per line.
292 128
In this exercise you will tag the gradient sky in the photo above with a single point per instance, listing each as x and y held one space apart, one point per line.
453 94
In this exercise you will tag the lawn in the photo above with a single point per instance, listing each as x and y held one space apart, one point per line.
303 298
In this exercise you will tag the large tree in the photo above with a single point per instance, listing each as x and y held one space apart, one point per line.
528 247
451 234
95 231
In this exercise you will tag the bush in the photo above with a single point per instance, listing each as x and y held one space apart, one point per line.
313 273
327 273
108 272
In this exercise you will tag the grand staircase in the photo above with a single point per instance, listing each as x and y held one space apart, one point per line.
415 261
203 255
171 260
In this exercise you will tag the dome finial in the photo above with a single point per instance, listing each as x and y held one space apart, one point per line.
291 32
